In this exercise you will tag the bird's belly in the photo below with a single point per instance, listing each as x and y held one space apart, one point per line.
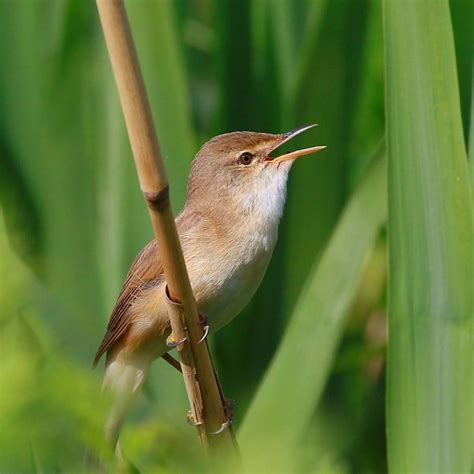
226 292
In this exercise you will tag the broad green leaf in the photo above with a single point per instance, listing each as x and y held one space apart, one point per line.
315 15
284 33
233 56
292 386
430 382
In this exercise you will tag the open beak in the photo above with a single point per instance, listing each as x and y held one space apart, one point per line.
294 154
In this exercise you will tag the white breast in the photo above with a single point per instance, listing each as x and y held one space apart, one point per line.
231 272
228 285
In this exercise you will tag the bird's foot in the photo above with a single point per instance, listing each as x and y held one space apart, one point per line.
171 341
229 411
205 327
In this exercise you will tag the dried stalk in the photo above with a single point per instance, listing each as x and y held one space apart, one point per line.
207 403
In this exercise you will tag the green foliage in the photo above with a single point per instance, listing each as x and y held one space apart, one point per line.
305 361
430 409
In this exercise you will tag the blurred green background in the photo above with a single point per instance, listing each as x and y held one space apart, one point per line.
72 219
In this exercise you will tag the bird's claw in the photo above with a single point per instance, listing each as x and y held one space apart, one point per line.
229 409
206 333
223 427
205 328
172 342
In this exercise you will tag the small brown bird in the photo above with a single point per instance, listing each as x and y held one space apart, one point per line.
228 230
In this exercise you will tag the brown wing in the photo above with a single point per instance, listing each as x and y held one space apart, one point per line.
146 271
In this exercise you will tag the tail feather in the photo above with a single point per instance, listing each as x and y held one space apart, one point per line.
123 379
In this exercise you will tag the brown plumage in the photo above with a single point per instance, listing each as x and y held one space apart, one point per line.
228 229
146 271
144 277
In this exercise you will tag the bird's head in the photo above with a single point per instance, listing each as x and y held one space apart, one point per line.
245 171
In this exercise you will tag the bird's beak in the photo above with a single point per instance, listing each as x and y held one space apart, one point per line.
294 154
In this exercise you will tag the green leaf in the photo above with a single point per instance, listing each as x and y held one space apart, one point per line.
293 384
284 26
234 66
430 371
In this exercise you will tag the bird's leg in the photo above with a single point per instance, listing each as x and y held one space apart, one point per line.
228 404
172 361
229 411
205 327
171 342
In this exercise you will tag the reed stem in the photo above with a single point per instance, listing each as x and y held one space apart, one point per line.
207 403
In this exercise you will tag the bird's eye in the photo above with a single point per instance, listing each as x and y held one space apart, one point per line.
245 158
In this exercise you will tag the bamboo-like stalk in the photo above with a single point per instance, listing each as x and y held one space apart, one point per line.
203 389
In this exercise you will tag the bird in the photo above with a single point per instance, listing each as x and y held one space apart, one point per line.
228 229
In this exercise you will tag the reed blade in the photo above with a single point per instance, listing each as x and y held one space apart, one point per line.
430 371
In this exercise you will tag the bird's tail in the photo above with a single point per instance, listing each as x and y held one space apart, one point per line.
122 381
